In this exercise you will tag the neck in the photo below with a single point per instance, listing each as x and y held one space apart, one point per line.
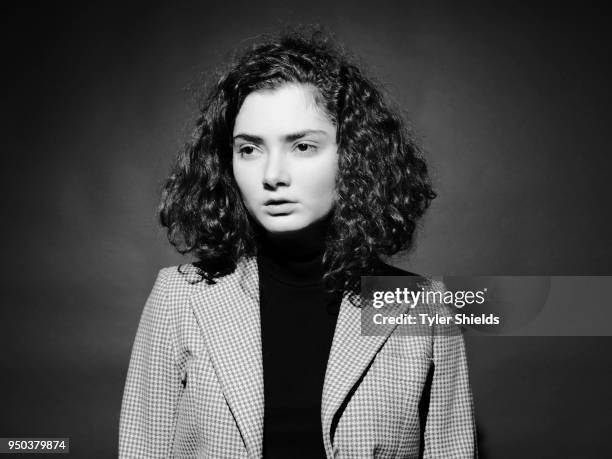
302 244
296 257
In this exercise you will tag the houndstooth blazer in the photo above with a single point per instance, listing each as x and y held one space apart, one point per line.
194 387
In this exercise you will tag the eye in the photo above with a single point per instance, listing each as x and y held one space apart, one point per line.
246 150
305 147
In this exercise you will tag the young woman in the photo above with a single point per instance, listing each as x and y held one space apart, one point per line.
299 178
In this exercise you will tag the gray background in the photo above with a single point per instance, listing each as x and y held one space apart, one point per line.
512 103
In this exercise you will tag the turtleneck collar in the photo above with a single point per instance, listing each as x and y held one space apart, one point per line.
295 258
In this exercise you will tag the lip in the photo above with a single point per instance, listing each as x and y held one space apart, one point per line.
277 202
280 207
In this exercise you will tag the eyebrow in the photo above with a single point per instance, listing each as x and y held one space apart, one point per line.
287 138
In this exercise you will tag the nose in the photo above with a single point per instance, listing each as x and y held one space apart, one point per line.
276 171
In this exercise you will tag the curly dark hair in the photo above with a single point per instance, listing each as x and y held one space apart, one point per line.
382 188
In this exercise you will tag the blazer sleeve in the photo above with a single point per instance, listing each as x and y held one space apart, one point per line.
450 428
153 384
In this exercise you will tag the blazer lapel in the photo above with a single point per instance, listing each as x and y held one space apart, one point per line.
350 356
228 314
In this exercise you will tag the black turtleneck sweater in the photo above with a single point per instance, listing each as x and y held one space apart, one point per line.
298 319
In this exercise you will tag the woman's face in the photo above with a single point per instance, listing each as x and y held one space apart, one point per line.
285 158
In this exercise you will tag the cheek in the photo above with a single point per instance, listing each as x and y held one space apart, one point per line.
244 182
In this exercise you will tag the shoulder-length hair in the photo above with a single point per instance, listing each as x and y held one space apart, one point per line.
382 187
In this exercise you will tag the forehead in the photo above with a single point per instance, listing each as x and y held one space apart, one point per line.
289 108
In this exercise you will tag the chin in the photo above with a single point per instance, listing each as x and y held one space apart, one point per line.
283 224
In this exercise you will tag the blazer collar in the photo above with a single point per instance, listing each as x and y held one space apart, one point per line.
229 317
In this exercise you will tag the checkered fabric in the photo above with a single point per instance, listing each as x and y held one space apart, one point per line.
194 386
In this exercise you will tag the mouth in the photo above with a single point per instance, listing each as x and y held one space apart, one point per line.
279 207
277 202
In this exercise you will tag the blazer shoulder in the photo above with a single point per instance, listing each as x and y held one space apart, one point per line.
426 283
186 278
186 273
178 280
